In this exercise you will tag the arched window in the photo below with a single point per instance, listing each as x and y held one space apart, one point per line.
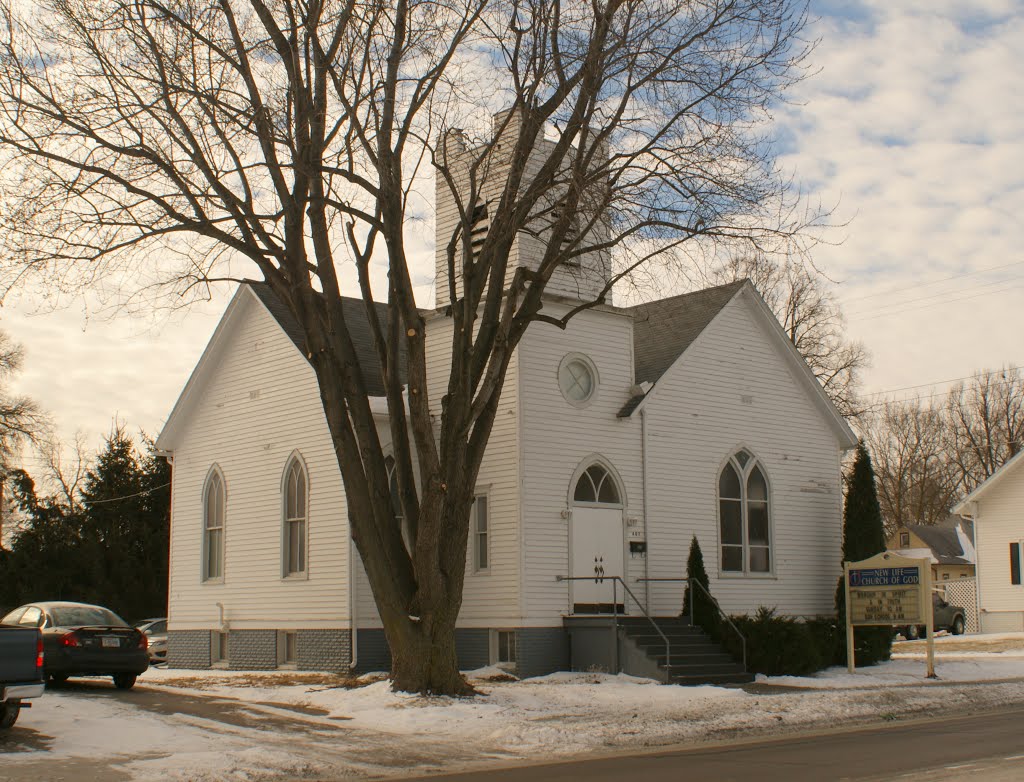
213 526
743 516
597 485
295 513
396 501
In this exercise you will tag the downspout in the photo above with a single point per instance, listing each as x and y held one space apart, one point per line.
353 630
647 530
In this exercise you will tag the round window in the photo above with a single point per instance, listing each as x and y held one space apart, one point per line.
577 379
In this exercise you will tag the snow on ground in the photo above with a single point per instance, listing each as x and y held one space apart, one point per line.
369 730
101 726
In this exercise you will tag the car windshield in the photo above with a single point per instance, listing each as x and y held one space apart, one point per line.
74 616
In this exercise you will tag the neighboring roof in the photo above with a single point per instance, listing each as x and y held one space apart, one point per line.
664 329
945 544
354 311
993 480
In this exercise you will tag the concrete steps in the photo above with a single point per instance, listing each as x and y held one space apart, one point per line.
693 658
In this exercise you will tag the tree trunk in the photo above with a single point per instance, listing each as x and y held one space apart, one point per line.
425 660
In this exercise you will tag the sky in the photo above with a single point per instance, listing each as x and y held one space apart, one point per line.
911 129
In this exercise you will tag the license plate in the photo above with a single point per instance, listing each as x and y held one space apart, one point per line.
111 642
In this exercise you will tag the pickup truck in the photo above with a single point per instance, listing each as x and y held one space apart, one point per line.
21 670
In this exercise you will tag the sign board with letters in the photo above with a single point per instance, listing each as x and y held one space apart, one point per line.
891 590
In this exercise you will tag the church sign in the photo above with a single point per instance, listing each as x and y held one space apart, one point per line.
888 590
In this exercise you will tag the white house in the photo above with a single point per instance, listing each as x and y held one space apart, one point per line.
997 508
618 440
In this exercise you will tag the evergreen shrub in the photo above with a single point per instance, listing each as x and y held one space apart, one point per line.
776 645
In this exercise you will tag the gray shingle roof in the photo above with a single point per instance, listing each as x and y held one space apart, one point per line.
358 326
664 329
943 542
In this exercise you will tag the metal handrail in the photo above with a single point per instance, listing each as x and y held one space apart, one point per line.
615 613
691 582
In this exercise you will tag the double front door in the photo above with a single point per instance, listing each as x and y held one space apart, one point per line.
597 544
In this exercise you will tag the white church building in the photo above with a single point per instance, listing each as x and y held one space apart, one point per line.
618 440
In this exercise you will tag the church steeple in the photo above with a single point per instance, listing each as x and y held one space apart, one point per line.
582 278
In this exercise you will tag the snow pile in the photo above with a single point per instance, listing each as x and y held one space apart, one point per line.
256 726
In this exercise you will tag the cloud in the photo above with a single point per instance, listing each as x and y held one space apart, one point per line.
915 128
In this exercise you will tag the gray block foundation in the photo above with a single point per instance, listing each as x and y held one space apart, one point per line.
252 650
540 650
188 649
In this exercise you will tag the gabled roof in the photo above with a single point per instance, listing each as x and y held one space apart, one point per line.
664 329
944 542
354 311
260 294
963 507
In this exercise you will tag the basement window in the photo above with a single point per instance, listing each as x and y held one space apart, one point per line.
287 649
219 649
503 648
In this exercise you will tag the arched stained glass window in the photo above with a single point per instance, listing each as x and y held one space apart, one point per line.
743 516
295 485
597 485
214 505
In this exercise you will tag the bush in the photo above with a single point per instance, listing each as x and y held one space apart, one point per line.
705 612
778 645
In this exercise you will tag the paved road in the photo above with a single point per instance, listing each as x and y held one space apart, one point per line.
988 746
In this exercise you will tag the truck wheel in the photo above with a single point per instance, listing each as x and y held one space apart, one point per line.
913 633
124 681
958 626
9 711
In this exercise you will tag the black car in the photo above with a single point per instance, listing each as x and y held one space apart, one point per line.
85 640
945 616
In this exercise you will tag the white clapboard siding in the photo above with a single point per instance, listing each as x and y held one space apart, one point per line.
259 404
558 437
582 281
733 388
490 597
1000 522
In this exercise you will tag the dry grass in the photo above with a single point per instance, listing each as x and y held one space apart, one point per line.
268 680
959 647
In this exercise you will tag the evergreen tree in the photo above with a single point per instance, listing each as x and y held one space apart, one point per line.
109 546
705 615
863 537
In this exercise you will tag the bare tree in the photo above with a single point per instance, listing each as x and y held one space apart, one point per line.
985 424
801 299
21 421
66 465
189 141
916 479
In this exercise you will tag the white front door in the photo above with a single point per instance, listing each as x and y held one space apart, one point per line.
596 552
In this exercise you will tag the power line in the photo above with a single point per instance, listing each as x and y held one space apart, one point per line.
903 288
897 306
947 392
939 382
129 496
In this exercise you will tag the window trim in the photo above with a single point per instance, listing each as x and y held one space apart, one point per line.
218 660
743 472
595 378
295 458
592 460
283 662
494 647
205 578
475 533
904 540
